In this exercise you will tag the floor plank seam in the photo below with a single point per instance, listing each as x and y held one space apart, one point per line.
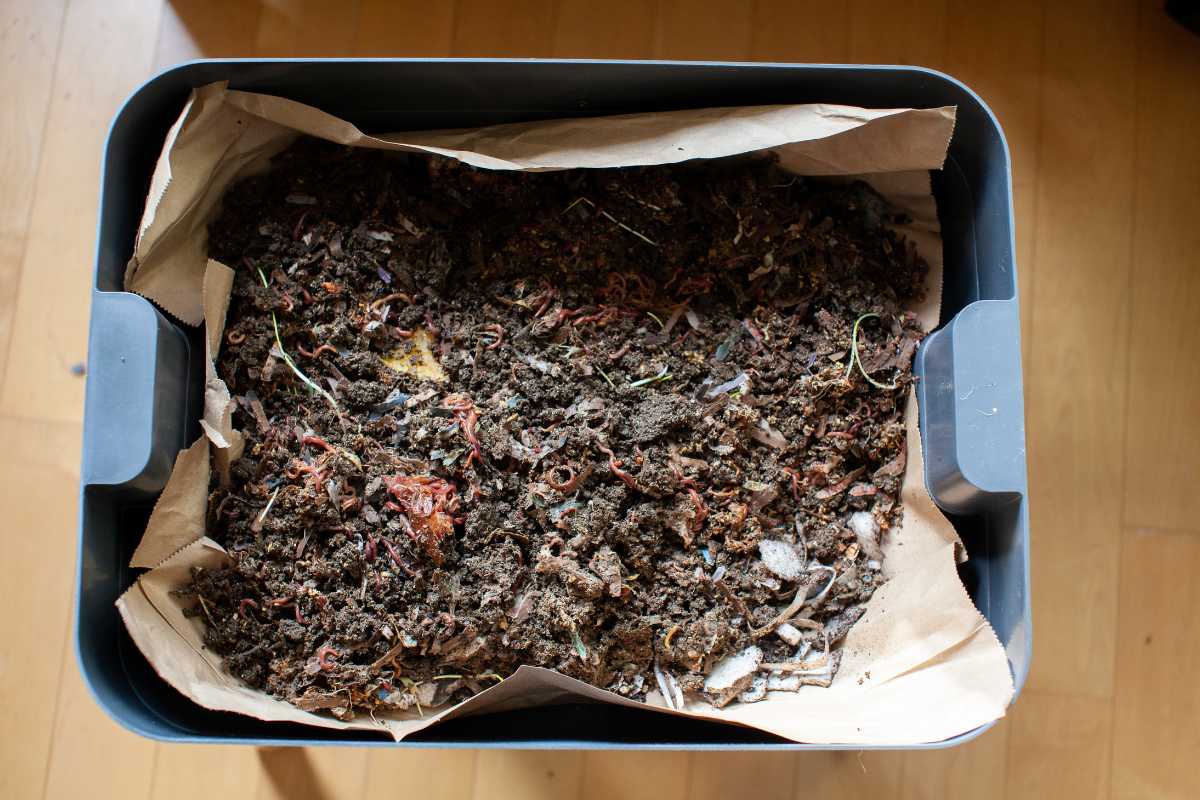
6 362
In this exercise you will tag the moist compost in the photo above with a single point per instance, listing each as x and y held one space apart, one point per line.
640 426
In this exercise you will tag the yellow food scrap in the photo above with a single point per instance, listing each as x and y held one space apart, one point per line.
414 356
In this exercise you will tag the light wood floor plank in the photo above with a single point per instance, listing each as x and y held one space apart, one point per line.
186 772
977 769
311 28
715 30
317 773
30 31
1075 377
107 49
849 775
765 776
1157 712
503 28
37 493
996 50
404 28
92 756
809 31
900 32
424 774
1163 439
616 29
528 775
206 29
1059 747
635 775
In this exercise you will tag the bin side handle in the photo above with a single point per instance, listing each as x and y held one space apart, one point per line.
135 408
972 409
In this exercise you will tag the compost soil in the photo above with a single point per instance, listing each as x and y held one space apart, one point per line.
641 426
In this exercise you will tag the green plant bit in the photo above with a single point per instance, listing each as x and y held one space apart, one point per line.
287 359
604 375
661 376
854 359
579 648
662 325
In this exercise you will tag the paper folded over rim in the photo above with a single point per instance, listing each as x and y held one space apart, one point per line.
922 665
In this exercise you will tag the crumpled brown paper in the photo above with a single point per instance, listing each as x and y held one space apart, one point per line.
922 664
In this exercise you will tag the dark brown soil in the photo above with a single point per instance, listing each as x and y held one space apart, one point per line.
585 490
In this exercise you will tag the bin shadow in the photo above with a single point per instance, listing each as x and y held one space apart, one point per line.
290 774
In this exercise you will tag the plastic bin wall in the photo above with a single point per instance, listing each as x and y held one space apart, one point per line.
145 371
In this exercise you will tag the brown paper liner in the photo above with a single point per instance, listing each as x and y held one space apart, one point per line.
922 665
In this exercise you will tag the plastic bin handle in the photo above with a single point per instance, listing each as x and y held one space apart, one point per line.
136 409
972 411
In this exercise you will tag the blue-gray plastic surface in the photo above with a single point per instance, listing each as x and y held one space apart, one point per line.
145 374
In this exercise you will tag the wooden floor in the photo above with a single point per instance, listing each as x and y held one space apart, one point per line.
1101 104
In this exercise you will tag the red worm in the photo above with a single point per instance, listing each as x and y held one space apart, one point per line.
315 353
399 562
624 349
317 441
701 509
795 476
325 658
615 466
562 486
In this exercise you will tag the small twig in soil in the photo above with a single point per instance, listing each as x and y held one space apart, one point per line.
738 603
816 599
798 602
801 540
612 219
204 606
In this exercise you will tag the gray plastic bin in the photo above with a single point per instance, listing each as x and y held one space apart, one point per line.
145 371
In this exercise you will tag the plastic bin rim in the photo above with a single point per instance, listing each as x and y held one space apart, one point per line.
183 66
